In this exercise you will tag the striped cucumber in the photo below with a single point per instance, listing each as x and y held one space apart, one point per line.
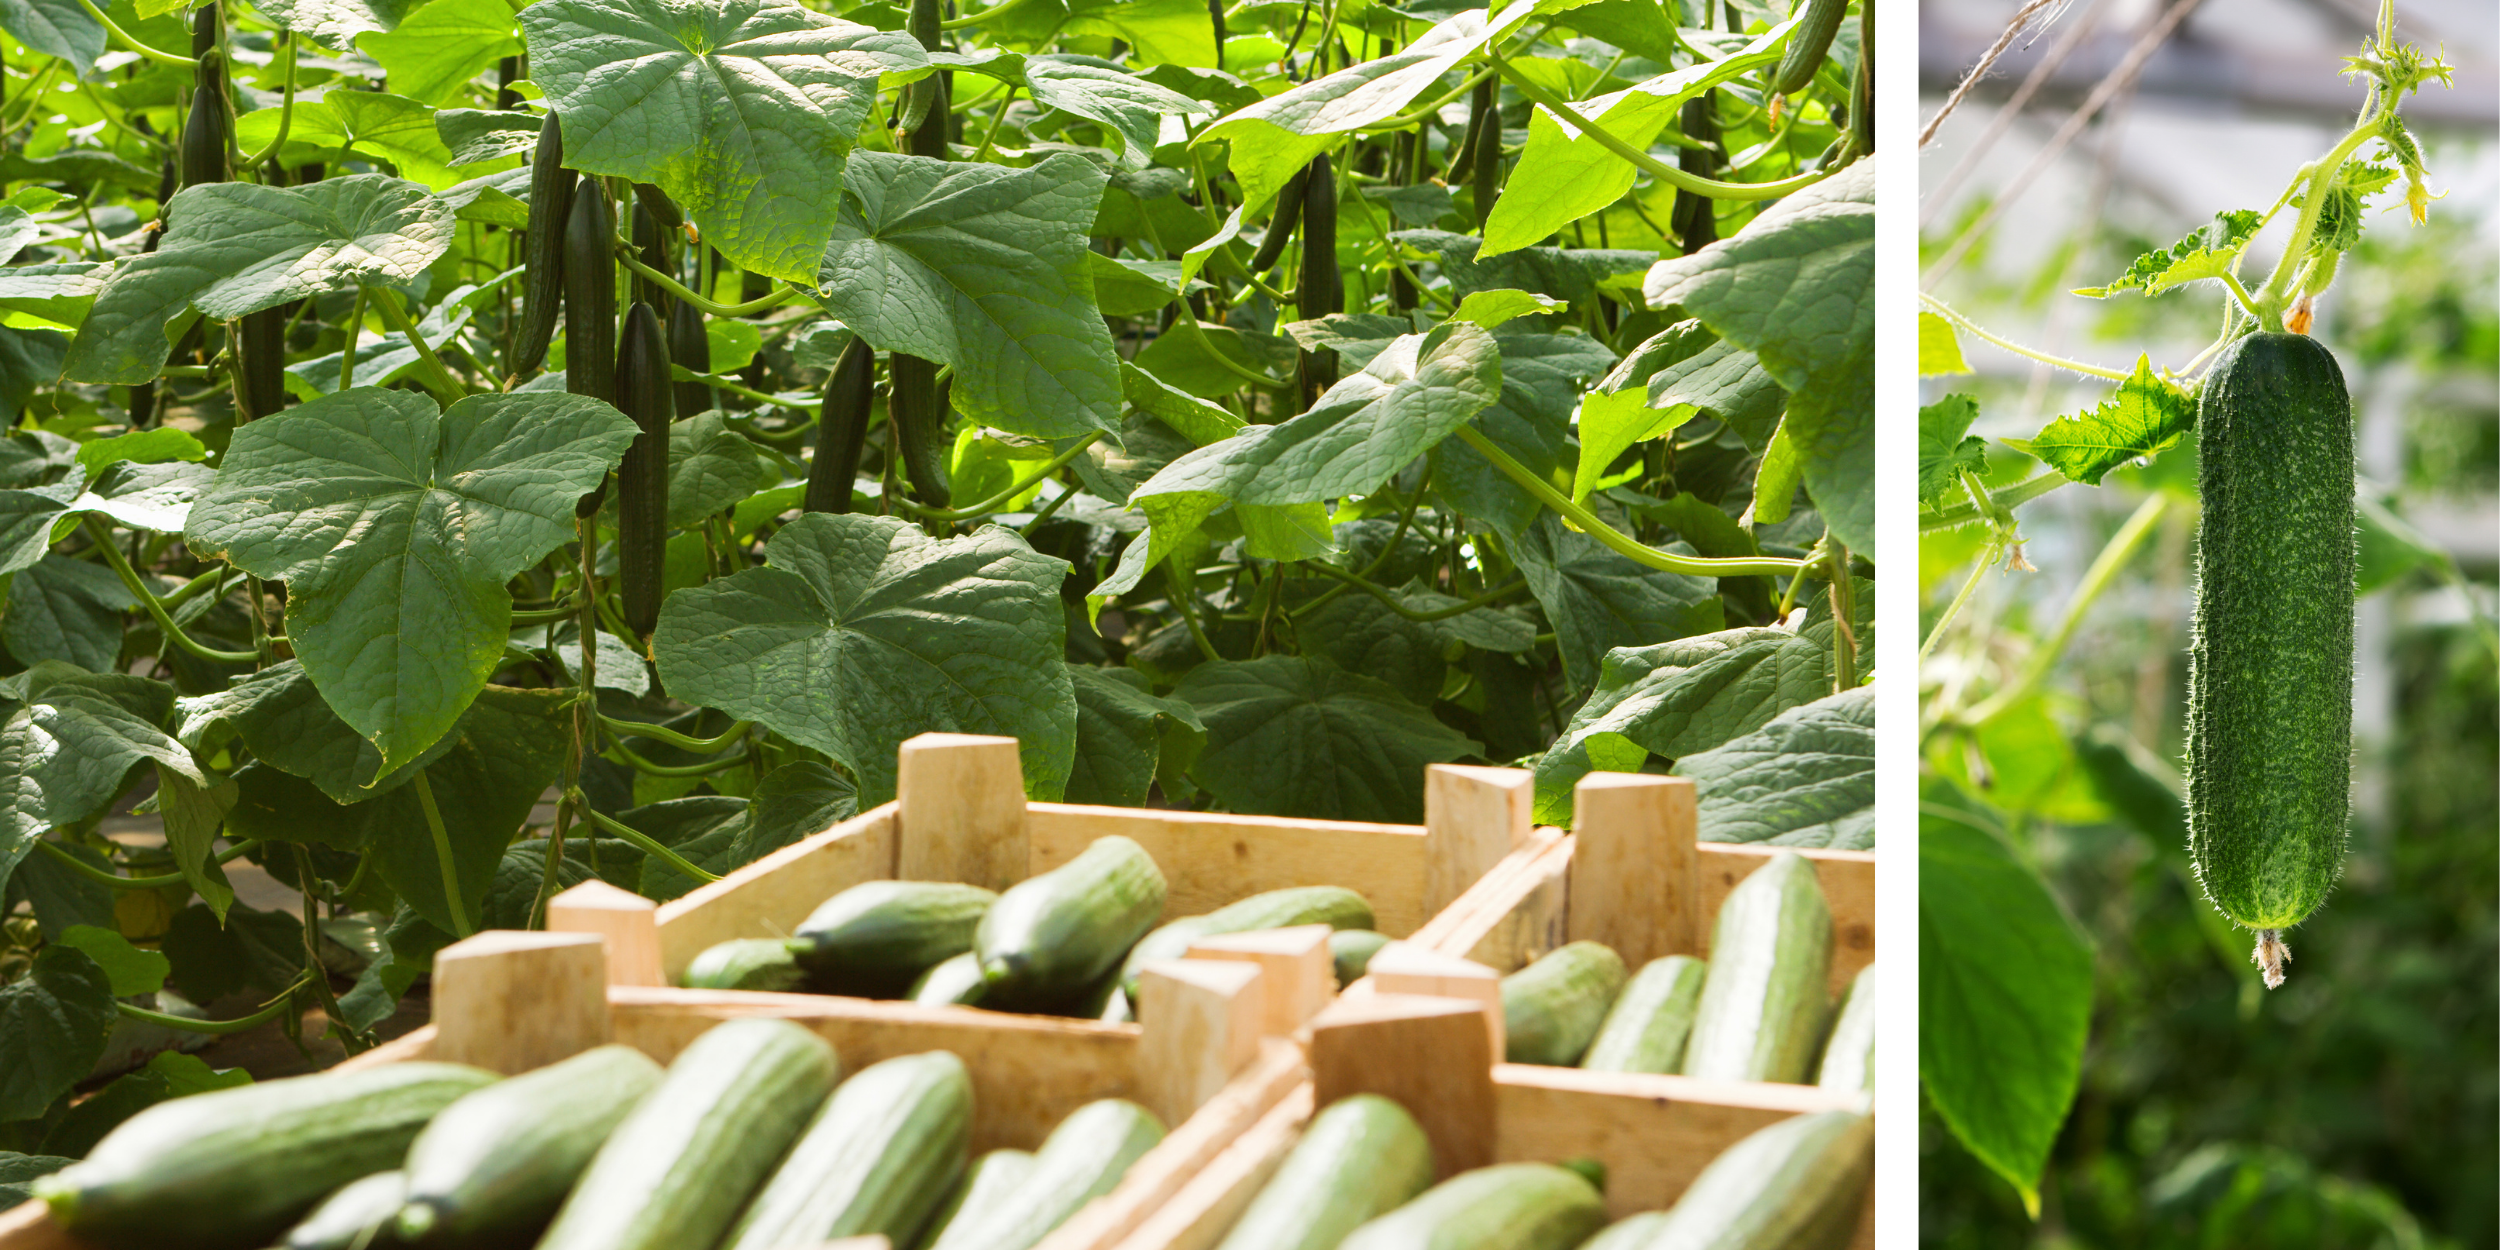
357 1217
1334 906
1552 1009
1352 950
1082 1159
676 1173
2270 669
542 288
842 428
882 1155
232 1169
1509 1206
1049 938
1797 1185
1652 1020
491 1170
643 392
1361 1158
1849 1056
954 983
993 1176
876 938
1762 1006
768 964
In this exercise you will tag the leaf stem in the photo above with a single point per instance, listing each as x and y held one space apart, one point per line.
286 114
446 385
704 769
735 387
1667 561
1394 604
1254 377
1961 599
276 1008
131 42
2006 500
712 308
2276 294
999 500
103 539
442 853
2114 556
1941 309
157 882
347 352
644 841
1710 188
662 733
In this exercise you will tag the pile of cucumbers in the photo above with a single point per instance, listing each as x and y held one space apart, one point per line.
749 1141
1361 1178
1755 1012
1069 942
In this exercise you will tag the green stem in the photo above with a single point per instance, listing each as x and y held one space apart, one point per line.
1236 368
103 539
1389 249
286 115
1667 561
130 42
1987 558
1711 188
1180 604
704 769
1433 110
446 386
442 853
540 616
2006 500
1394 604
712 308
219 1028
1940 308
644 841
157 882
999 500
2276 294
735 387
2114 556
661 733
347 353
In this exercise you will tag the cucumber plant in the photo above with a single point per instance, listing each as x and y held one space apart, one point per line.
2260 830
414 415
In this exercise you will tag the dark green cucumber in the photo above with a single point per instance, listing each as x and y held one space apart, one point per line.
916 423
955 983
1050 938
1651 1020
208 131
643 392
663 211
689 348
1509 1206
769 964
590 294
542 288
1849 1054
652 250
357 1217
491 1170
993 1176
260 353
1361 1158
676 1173
1281 226
842 428
1762 1007
1807 45
1552 1009
875 939
1352 950
1484 157
1798 1185
2269 776
1334 906
1322 288
879 1159
232 1169
1082 1159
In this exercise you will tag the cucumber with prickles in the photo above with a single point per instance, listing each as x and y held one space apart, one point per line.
992 1177
645 393
689 348
842 428
1334 906
1082 1159
2270 668
679 1169
1849 1054
551 214
1807 44
1049 938
1652 1019
1362 1157
1762 1007
1552 1009
490 1171
232 1169
879 1159
955 983
1798 1185
767 964
916 425
358 1217
1351 951
876 938
1508 1206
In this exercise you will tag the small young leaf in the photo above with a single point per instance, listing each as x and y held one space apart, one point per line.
1939 348
132 971
2143 417
2209 252
1945 448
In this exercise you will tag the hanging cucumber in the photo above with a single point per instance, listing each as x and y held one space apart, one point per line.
208 132
689 348
542 288
644 393
1322 290
590 307
2270 669
1281 226
651 248
916 411
842 428
1807 45
260 354
1484 148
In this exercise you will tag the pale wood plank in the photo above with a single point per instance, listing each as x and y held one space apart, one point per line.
1201 1025
1473 816
1207 1206
509 1001
1632 881
1210 859
769 897
1297 974
1429 1054
960 799
1412 968
629 922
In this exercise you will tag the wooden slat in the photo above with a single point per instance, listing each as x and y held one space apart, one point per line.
769 897
1185 1152
1203 1209
1632 877
1430 1054
509 1001
1473 816
29 1226
1204 1027
1512 916
959 800
1210 859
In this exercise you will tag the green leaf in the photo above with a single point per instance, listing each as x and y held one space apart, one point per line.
2145 416
400 129
981 267
337 23
2004 1000
1945 448
408 948
434 53
1360 634
30 359
1279 135
169 1075
252 951
1939 348
1125 286
1287 735
65 609
1806 778
1564 175
65 753
158 446
1679 698
1796 287
1192 418
1598 600
711 466
474 136
61 28
742 111
59 292
18 1169
1491 308
61 896
1123 733
26 520
1569 274
395 526
791 803
863 631
1126 105
56 1016
232 248
147 496
280 717
132 971
1543 376
2209 252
